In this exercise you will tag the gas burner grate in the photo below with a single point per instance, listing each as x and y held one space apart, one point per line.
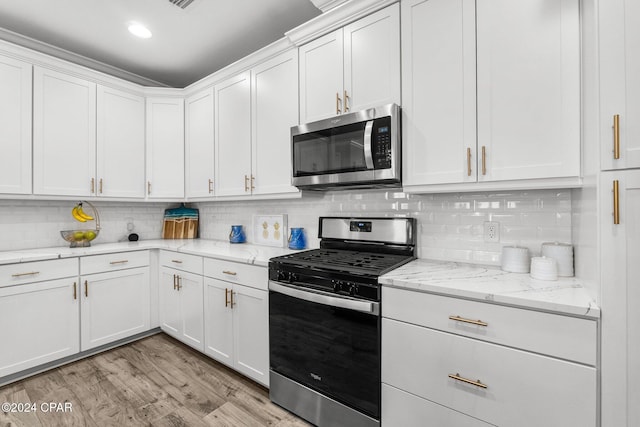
345 260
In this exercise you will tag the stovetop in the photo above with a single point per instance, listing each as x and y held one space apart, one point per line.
346 261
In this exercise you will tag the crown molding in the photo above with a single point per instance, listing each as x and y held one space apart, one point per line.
325 5
334 18
74 58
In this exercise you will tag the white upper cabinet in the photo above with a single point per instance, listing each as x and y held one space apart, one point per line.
528 89
165 148
15 126
513 65
120 144
352 68
199 145
619 31
233 136
439 96
64 134
274 111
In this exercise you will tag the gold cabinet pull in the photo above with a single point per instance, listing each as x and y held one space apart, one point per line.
75 290
148 187
476 383
246 183
616 202
210 186
338 111
174 282
230 273
30 273
616 136
468 161
177 261
253 179
124 261
346 101
484 160
86 289
226 297
100 185
231 292
179 281
473 322
93 185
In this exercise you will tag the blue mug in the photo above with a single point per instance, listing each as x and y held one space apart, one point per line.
237 234
297 239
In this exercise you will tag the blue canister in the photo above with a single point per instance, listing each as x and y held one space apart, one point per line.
297 239
237 234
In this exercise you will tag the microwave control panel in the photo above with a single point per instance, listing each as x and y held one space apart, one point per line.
382 143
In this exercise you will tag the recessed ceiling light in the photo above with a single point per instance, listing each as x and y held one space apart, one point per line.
139 30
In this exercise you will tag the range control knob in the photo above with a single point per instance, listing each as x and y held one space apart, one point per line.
338 285
353 289
281 276
293 277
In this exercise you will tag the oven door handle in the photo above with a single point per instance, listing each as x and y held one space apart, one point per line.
325 299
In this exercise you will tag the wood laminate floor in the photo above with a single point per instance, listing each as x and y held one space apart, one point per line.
156 381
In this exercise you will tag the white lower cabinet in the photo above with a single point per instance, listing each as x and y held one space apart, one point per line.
181 306
236 318
115 305
432 370
39 318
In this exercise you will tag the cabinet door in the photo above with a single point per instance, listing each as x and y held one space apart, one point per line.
372 60
15 126
528 61
39 323
251 332
620 276
169 311
321 73
619 36
218 320
199 145
165 148
274 111
439 91
190 290
115 305
120 144
233 136
64 134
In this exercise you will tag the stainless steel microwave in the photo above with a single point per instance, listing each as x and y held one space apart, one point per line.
360 149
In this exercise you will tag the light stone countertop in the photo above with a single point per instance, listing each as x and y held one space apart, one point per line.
565 296
244 253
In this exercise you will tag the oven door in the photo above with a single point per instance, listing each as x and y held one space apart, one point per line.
328 343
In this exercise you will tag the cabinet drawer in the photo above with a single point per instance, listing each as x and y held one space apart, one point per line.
556 335
184 262
236 272
112 262
522 389
37 271
400 408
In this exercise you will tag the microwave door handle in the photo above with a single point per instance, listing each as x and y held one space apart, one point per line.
368 143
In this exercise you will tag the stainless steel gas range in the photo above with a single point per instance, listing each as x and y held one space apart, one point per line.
324 320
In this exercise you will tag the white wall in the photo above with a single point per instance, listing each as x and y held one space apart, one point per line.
450 226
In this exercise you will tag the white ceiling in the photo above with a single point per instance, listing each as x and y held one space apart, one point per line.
187 44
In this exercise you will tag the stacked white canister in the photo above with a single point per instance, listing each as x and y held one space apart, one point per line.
556 260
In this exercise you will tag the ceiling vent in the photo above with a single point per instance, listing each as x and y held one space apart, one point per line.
181 3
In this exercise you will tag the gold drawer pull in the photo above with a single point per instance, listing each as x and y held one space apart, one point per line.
473 322
31 273
124 261
476 383
231 273
177 261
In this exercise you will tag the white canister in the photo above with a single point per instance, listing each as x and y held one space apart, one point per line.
543 268
563 254
515 259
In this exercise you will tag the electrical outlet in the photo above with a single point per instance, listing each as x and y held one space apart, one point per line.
491 231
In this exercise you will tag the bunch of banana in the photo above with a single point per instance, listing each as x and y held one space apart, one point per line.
79 215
